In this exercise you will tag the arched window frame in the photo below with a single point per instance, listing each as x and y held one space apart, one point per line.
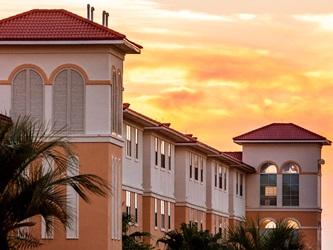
290 184
293 220
83 76
268 185
28 108
268 223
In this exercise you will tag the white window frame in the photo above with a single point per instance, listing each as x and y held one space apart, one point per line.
73 197
128 203
128 141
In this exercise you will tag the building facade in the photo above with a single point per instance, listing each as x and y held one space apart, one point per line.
71 78
66 70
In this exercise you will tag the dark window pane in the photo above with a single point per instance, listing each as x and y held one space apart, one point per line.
294 179
272 179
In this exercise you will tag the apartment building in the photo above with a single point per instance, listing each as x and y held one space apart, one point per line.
182 180
72 78
66 70
287 182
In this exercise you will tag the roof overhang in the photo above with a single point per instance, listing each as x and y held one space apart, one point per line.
230 161
124 45
322 142
200 147
154 126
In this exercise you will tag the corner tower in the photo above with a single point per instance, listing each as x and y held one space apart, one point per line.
287 182
66 70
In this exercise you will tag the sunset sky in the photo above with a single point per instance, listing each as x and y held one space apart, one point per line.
218 68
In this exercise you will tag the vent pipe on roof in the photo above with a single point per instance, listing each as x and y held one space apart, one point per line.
88 11
92 13
105 18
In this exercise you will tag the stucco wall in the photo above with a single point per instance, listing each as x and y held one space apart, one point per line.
306 155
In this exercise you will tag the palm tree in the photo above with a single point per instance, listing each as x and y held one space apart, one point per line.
28 188
190 238
133 241
250 236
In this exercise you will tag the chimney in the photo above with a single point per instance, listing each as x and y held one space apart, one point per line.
92 14
107 19
103 17
88 11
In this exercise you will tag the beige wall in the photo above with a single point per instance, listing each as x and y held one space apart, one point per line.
217 199
94 62
133 168
157 180
306 155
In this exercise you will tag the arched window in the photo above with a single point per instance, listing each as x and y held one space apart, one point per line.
28 95
68 101
268 224
116 102
268 192
290 184
293 224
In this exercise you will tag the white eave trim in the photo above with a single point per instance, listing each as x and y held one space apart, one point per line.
280 141
125 42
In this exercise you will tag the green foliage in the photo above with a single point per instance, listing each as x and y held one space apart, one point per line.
190 238
133 241
28 189
250 236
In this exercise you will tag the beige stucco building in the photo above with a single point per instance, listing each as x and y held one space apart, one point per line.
66 70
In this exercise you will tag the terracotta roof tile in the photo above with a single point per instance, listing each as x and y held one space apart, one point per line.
53 24
235 154
280 131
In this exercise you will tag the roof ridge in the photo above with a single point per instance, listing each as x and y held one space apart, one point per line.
288 126
89 21
66 12
235 138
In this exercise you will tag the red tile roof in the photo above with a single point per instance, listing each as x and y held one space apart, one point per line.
281 131
238 155
51 25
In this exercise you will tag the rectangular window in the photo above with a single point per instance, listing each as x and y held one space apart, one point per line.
268 190
196 168
128 141
72 231
290 190
136 219
156 150
48 165
155 212
191 163
241 184
215 174
169 215
169 156
162 154
237 182
162 215
136 144
225 179
220 177
128 203
201 170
